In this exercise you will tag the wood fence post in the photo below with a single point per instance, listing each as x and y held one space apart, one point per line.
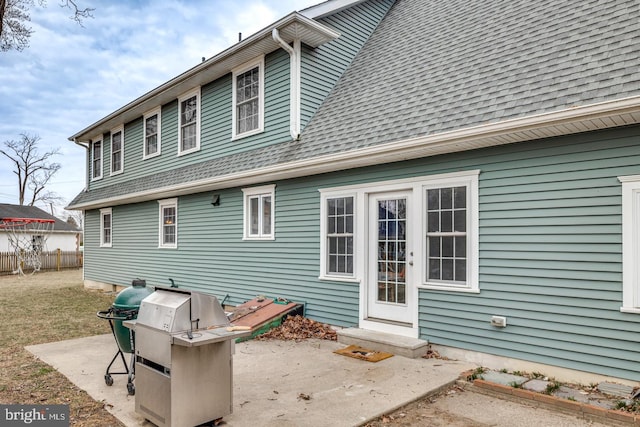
58 260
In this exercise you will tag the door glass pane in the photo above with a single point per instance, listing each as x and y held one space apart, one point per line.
391 262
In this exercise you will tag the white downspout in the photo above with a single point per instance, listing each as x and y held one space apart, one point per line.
294 55
86 175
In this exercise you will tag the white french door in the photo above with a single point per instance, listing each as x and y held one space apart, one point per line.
390 296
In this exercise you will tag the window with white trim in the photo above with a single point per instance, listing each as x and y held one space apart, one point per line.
338 236
96 159
117 150
450 241
630 243
168 232
189 121
248 99
106 227
151 135
259 213
447 235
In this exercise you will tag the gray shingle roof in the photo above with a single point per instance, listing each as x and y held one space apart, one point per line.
17 211
434 66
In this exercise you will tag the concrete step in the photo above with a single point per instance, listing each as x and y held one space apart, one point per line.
380 341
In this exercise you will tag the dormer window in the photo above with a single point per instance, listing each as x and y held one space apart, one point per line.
189 122
248 98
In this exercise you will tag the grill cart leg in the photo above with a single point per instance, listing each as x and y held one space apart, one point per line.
131 389
108 378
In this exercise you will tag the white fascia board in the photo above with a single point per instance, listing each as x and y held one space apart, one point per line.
487 135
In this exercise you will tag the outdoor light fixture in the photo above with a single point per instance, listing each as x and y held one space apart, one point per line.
215 200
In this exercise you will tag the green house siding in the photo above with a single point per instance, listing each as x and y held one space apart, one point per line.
321 67
549 240
215 125
550 258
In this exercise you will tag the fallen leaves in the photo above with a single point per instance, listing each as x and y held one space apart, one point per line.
433 354
296 328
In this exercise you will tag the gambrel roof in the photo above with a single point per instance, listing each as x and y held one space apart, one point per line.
438 77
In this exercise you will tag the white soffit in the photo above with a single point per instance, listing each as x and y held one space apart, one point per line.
328 8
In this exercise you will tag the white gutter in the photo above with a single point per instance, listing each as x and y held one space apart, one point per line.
294 82
564 122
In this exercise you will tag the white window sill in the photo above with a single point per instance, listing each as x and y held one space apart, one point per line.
116 173
630 310
150 156
449 288
246 134
106 245
96 179
193 150
258 238
168 247
339 279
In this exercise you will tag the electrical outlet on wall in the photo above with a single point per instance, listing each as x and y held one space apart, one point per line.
499 321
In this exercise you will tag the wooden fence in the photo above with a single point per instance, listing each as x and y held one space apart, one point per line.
53 260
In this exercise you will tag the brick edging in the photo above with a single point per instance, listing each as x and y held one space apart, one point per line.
582 410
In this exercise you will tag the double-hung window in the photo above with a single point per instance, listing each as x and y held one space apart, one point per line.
630 243
106 227
168 232
248 99
189 118
117 150
338 231
151 134
96 159
451 232
447 235
259 217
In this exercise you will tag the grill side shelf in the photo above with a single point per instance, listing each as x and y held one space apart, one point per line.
206 336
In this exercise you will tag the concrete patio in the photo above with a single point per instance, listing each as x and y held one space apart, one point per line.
270 380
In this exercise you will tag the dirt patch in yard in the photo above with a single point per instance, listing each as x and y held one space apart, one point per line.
47 307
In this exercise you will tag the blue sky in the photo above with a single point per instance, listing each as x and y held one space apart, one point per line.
72 76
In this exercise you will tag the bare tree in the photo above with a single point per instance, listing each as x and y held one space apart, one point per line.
33 169
14 18
75 218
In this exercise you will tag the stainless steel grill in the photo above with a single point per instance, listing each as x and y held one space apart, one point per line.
184 374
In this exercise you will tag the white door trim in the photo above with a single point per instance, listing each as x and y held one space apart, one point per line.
410 329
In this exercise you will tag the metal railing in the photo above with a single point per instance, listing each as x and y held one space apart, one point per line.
51 260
